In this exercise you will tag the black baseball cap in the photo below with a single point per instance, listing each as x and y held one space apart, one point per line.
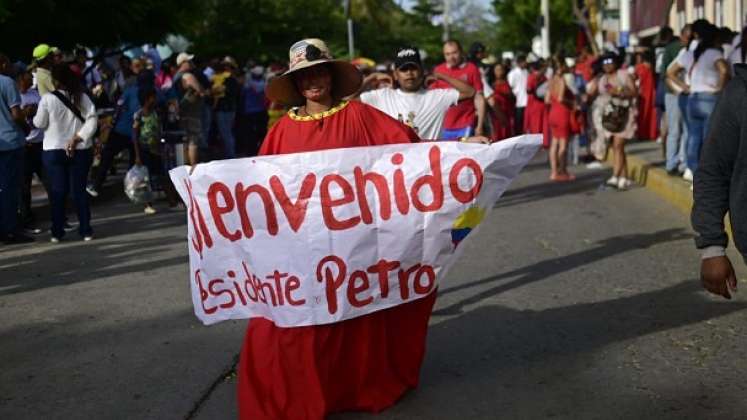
407 55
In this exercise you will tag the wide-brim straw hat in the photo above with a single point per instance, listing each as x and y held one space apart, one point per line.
346 79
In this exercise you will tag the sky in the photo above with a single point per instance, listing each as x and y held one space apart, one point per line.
485 4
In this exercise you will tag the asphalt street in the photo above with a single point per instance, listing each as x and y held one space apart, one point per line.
570 302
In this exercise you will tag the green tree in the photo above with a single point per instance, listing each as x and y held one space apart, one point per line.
518 24
93 23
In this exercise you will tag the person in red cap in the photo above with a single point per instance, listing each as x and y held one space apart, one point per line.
365 363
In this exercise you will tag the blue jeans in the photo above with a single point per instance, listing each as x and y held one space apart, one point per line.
699 109
455 133
68 174
677 134
11 173
224 121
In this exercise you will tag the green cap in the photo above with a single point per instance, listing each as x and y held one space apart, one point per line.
42 51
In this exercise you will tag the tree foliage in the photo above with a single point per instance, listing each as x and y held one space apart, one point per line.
93 23
518 23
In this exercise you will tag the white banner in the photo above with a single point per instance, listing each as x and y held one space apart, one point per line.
315 238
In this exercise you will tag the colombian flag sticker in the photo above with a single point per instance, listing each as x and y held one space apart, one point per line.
464 224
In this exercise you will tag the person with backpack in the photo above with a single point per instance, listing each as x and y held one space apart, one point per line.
68 118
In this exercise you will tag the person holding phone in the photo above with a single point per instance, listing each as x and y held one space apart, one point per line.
68 118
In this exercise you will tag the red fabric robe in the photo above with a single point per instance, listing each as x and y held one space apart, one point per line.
365 363
535 112
506 103
647 121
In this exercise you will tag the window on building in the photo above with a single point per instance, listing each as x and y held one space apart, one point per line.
700 12
719 12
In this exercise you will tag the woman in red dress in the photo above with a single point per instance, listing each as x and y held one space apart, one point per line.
365 363
535 112
647 121
562 102
503 104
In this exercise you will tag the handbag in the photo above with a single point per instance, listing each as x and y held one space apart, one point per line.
615 115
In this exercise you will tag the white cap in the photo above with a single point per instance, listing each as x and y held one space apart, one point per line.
182 57
258 70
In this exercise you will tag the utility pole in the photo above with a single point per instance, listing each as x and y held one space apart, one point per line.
351 41
624 23
545 31
447 20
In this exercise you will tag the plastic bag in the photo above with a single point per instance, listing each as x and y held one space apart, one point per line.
137 185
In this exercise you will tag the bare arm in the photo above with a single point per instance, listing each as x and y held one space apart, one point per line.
190 81
18 116
368 81
480 107
673 78
723 74
465 90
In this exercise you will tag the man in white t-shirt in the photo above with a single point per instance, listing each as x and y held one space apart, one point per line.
411 103
517 79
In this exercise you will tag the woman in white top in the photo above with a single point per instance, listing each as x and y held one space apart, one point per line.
707 73
68 118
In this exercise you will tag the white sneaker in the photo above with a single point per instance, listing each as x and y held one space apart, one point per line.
688 175
92 191
623 184
88 238
149 210
612 182
594 165
54 240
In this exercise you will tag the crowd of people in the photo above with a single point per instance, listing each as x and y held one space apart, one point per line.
70 116
67 117
63 115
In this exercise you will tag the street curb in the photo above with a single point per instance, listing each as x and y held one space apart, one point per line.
672 189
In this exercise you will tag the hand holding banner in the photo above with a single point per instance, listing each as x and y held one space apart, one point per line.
315 238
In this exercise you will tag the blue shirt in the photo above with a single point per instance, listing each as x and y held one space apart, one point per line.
129 103
254 96
11 136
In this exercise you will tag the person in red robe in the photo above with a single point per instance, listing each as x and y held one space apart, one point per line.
365 363
647 122
503 103
535 113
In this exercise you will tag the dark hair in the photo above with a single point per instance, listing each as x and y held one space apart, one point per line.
474 49
707 39
491 74
68 81
454 42
726 35
665 34
521 58
144 93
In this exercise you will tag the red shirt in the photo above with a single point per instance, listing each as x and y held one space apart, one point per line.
463 113
350 124
584 68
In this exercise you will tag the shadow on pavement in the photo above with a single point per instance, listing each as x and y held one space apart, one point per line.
547 190
550 267
74 261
